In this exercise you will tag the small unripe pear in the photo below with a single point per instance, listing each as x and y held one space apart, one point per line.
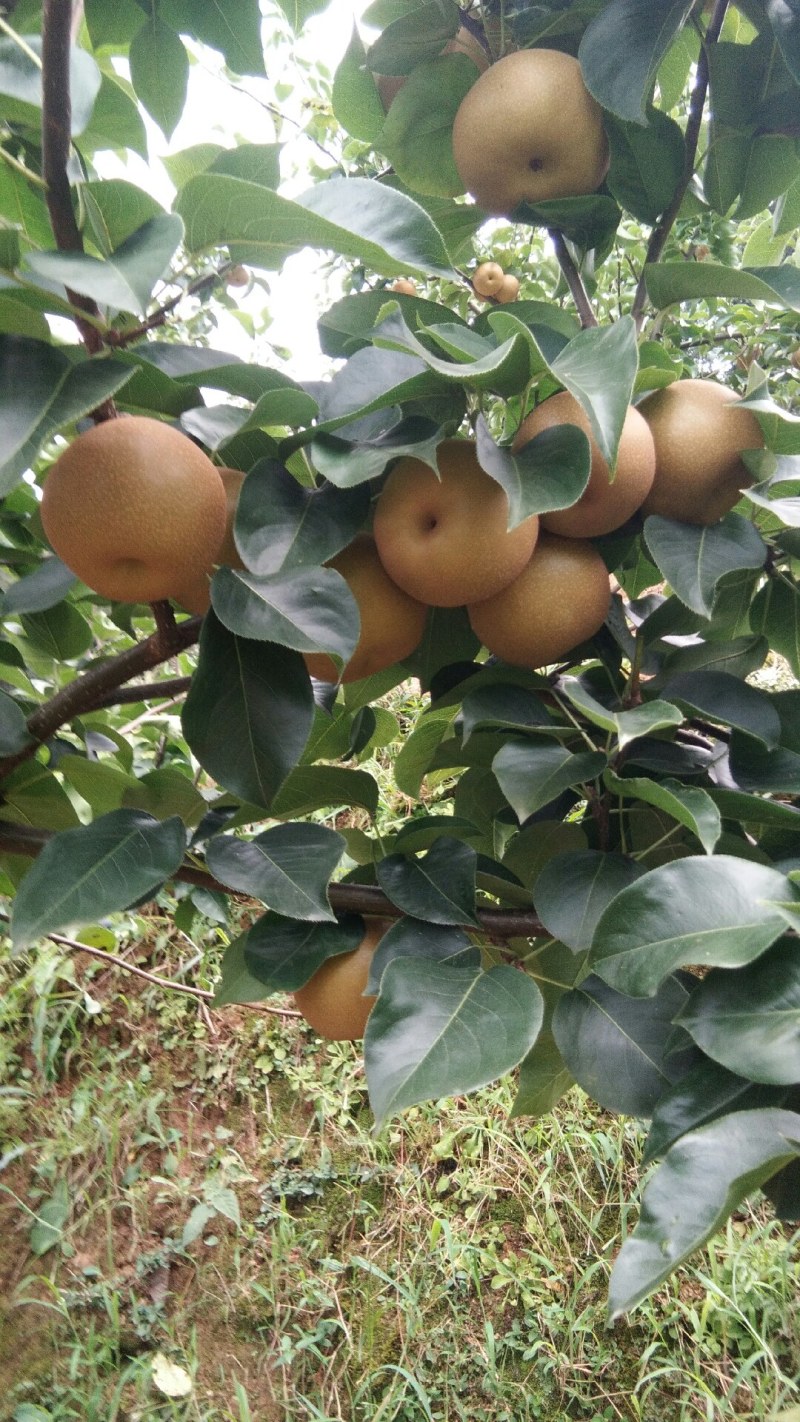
488 278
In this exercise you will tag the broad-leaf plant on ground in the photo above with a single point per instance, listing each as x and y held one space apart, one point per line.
604 892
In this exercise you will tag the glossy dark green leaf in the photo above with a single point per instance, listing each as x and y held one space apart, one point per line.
21 83
598 367
309 609
317 787
617 1047
125 280
514 707
347 325
754 768
726 699
13 730
749 1021
60 632
627 725
550 472
646 163
373 380
280 955
100 783
439 887
417 136
355 217
715 910
415 755
543 1078
356 102
166 791
159 67
693 558
41 390
414 938
87 872
670 282
288 867
622 49
441 1030
706 1092
703 1177
475 361
690 805
532 774
573 890
756 812
448 638
280 525
39 590
32 795
776 614
248 712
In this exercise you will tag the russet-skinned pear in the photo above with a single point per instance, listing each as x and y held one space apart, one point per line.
333 1001
699 433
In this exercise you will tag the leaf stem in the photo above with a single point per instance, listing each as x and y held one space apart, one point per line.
572 277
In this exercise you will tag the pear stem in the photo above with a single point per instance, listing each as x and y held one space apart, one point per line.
572 277
694 123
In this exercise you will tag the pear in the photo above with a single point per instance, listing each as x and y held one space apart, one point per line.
699 434
392 623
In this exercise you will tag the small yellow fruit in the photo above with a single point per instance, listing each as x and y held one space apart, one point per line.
135 509
529 130
332 1001
392 623
404 286
699 433
509 291
237 276
488 278
559 600
603 505
446 541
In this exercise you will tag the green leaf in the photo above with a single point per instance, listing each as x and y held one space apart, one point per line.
356 103
101 785
598 367
248 712
288 867
617 1047
626 725
688 804
448 638
439 1030
726 699
550 472
531 775
33 796
514 707
646 163
280 955
776 613
354 217
85 873
25 207
439 887
417 136
573 890
309 609
415 755
706 1092
39 590
415 938
281 526
749 1021
693 557
754 812
710 911
117 209
754 768
669 282
543 1079
60 632
49 1221
231 26
21 84
785 21
126 279
415 36
622 49
13 730
298 12
318 787
41 390
116 122
704 1176
165 792
347 325
159 67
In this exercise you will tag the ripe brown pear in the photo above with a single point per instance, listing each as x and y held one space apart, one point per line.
135 509
560 598
603 505
446 541
392 623
699 434
404 286
529 130
228 553
463 42
332 1001
509 291
488 278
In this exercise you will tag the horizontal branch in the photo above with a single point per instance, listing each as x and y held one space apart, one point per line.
365 899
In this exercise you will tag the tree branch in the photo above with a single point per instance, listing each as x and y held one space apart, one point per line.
572 277
694 123
167 690
87 692
365 899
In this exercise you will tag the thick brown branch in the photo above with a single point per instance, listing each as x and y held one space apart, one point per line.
694 123
573 278
87 692
365 899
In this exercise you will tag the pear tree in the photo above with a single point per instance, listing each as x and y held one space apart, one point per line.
603 889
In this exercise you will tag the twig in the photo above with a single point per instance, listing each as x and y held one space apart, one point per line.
170 689
694 123
572 277
86 692
157 318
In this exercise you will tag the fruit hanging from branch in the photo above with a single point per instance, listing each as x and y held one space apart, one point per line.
333 1000
699 433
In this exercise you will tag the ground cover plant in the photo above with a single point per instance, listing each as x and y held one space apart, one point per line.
594 882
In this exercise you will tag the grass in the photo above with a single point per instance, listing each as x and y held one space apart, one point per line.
197 1202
